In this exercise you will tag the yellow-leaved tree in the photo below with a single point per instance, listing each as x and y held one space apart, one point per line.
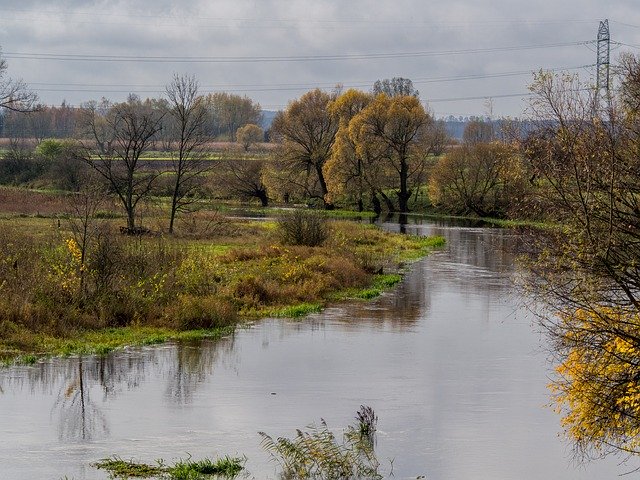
586 162
346 171
398 135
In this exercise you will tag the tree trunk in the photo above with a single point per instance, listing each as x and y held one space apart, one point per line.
323 188
377 208
404 194
264 200
388 202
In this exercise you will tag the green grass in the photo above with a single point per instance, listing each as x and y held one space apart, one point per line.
226 467
296 311
497 222
381 283
421 246
102 342
347 214
119 468
27 360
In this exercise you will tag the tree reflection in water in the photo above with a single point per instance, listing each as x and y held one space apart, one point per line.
81 386
193 363
79 417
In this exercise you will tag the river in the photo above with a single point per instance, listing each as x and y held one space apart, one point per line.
450 361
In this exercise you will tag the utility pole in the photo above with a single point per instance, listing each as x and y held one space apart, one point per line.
602 66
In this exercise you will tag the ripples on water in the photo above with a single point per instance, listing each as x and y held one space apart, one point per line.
449 360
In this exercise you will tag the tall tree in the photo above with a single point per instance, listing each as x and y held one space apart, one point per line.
307 131
189 115
589 270
346 170
485 179
243 179
478 131
400 131
130 128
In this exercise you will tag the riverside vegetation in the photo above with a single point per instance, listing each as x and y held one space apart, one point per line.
314 453
77 285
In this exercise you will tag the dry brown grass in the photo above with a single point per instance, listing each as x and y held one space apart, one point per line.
22 201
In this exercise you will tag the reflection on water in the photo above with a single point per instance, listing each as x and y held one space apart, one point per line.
449 361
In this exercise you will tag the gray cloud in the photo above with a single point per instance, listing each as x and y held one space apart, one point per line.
258 28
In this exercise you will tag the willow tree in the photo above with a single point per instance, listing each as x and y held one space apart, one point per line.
346 170
589 270
399 132
306 131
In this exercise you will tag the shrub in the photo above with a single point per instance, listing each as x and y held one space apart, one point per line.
301 227
189 312
251 289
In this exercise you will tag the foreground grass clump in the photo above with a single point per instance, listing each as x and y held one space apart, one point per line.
64 293
119 468
225 467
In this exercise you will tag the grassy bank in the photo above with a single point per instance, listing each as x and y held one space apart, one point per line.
125 290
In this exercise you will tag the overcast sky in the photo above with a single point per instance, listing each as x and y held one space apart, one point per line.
458 52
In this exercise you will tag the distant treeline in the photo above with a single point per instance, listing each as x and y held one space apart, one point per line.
455 126
225 114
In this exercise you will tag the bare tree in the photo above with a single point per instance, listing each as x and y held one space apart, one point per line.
82 223
14 94
131 127
188 111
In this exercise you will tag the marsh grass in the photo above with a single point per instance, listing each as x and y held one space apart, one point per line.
224 467
227 467
119 468
297 311
316 452
133 291
380 283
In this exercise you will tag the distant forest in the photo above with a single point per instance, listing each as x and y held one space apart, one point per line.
65 124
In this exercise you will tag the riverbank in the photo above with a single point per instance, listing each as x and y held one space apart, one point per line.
143 290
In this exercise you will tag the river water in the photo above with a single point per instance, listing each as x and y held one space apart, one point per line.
449 360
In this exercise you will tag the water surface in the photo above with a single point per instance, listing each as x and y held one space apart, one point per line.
449 360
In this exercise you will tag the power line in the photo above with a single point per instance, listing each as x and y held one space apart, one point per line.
264 21
630 45
625 24
261 59
480 97
157 88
